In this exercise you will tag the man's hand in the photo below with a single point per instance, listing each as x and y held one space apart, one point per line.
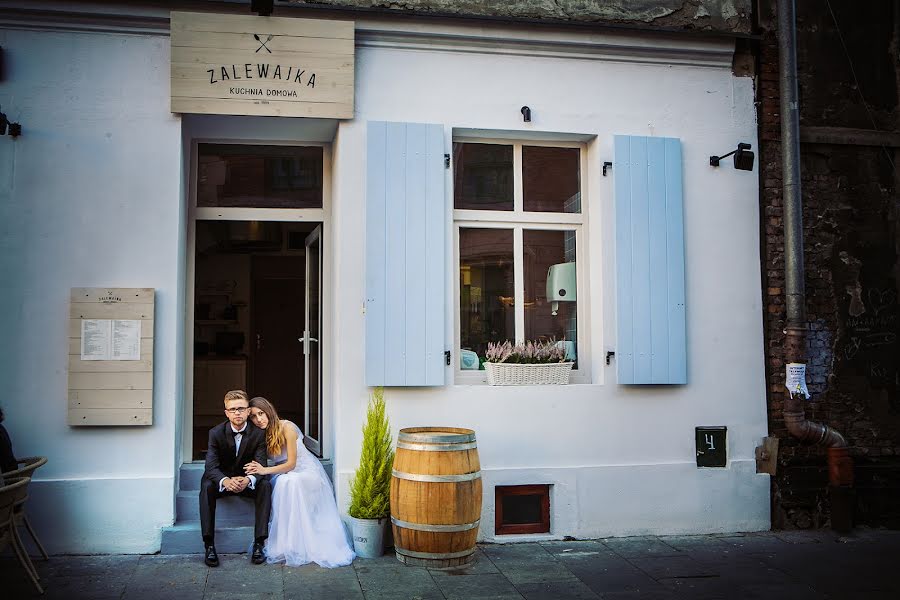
242 483
232 485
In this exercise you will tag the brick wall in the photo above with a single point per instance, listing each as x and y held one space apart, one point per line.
851 247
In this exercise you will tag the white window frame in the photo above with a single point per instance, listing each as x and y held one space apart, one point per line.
518 220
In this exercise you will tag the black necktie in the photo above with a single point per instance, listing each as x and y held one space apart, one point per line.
236 433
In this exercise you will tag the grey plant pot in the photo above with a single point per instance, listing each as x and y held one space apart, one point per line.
368 536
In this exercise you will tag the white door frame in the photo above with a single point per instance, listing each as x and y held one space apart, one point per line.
297 215
315 444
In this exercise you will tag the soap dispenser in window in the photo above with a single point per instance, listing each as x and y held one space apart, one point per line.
561 285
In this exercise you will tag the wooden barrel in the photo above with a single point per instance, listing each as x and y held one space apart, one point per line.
436 496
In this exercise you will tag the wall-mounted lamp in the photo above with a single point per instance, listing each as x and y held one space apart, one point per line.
263 8
14 129
743 158
526 114
561 285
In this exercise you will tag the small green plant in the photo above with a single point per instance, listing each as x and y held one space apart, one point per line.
371 487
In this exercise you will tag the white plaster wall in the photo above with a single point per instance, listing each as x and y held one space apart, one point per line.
90 197
622 459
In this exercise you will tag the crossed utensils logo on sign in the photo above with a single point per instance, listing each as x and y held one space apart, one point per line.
262 44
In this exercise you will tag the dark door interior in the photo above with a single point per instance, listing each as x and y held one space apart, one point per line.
276 308
249 296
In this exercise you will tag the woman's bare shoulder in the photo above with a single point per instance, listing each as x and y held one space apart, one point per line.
290 428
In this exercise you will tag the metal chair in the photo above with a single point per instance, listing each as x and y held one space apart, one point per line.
13 492
30 464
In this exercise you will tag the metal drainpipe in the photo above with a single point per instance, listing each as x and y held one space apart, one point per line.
840 465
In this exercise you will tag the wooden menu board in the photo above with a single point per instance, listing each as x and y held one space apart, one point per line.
111 356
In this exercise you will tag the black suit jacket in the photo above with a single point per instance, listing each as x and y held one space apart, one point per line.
220 459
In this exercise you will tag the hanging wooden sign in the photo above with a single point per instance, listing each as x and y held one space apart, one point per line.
264 66
111 356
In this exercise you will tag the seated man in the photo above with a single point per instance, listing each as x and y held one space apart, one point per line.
232 445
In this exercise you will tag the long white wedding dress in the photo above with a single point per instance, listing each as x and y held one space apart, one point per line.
305 525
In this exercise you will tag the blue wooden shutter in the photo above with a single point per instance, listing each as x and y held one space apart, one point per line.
405 233
650 319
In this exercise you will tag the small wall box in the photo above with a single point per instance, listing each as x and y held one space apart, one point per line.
712 446
111 356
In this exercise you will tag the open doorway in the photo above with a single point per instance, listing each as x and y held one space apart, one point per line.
257 321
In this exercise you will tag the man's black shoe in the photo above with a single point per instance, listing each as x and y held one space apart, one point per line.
212 559
257 558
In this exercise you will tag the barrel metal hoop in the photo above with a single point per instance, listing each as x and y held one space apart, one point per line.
436 478
456 438
435 528
438 448
414 554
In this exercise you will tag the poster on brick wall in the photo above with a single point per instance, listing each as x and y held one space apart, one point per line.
795 379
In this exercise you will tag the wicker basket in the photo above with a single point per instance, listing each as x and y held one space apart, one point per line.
521 374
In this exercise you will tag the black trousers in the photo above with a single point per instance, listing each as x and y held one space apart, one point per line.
209 493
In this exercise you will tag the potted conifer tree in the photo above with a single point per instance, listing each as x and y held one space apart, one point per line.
371 486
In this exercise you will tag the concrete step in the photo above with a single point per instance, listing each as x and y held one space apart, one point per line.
190 475
185 538
228 508
234 517
192 472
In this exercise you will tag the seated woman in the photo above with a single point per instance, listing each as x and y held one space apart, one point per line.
305 525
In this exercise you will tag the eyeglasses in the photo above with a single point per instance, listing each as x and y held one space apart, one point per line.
237 411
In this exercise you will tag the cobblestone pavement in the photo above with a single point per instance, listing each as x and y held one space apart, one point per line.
773 565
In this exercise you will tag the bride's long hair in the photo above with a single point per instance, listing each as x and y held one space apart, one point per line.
275 439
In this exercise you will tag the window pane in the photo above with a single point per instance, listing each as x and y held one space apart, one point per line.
259 176
551 179
483 176
550 313
486 311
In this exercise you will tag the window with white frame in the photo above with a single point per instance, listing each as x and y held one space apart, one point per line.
518 231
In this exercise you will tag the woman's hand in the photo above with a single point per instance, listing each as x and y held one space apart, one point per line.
254 468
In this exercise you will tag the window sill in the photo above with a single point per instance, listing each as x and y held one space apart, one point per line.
479 378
